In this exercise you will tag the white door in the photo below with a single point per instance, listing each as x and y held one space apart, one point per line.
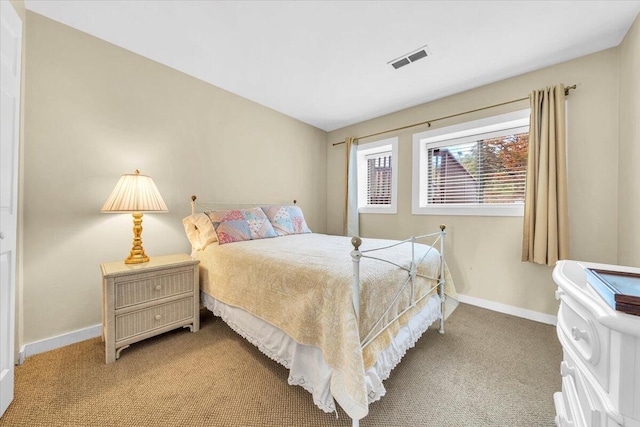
10 54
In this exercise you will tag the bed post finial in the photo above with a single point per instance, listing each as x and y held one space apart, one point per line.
193 204
355 257
356 242
295 201
193 198
441 280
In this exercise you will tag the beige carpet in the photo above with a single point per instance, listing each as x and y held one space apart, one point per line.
489 369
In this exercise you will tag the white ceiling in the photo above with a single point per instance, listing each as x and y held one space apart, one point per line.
325 62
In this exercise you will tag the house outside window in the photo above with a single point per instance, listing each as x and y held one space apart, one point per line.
474 168
378 176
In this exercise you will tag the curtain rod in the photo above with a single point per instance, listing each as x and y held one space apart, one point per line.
428 122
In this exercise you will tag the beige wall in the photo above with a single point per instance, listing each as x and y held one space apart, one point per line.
629 155
95 111
484 252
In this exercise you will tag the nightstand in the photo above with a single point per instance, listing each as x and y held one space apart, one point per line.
143 300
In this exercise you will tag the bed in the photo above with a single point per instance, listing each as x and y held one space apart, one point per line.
338 312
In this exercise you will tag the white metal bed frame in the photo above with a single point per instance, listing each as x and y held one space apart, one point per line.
412 273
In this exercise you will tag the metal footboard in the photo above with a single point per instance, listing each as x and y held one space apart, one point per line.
378 328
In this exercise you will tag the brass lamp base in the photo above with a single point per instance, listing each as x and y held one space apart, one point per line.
136 258
137 255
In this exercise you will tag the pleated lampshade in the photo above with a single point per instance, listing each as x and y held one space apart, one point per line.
135 193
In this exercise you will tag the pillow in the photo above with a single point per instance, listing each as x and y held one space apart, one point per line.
286 219
199 230
241 224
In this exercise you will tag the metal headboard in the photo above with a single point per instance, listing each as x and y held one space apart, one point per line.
211 206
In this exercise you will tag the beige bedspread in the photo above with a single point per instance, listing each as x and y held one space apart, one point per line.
302 284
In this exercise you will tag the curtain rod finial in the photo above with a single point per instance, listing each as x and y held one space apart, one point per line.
568 88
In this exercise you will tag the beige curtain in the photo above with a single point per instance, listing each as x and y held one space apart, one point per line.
351 220
546 229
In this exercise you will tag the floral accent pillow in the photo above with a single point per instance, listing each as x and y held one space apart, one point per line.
241 224
286 219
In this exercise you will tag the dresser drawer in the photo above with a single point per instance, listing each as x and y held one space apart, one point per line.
141 321
587 405
562 417
140 288
578 329
593 405
571 415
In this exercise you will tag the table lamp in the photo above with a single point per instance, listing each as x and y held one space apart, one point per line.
135 193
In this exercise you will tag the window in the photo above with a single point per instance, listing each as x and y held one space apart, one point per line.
379 173
475 168
378 176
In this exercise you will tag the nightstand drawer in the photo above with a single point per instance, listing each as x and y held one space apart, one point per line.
138 322
141 288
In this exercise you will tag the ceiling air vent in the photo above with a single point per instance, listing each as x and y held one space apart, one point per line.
413 56
418 55
401 63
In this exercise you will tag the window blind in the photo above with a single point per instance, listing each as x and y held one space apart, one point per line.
379 179
487 171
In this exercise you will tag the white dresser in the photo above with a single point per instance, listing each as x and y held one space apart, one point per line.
601 354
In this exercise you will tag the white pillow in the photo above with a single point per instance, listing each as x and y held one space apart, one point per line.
200 231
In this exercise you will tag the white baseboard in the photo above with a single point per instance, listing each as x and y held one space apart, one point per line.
58 341
95 331
509 309
21 355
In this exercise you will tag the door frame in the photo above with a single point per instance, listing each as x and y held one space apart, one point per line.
11 27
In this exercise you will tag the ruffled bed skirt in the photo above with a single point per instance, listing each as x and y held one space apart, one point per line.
306 364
